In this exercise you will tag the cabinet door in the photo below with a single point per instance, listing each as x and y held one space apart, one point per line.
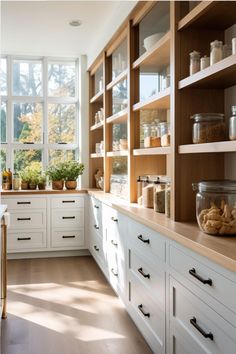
95 216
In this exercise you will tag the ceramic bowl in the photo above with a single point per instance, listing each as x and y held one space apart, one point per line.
151 40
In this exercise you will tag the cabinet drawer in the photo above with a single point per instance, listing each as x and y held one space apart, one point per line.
23 203
68 238
96 214
68 218
26 240
153 279
97 250
67 202
148 242
28 219
217 285
200 322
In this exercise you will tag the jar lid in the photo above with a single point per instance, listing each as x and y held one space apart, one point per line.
216 42
206 117
221 186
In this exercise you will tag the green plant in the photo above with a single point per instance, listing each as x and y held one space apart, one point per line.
24 175
72 170
56 172
42 178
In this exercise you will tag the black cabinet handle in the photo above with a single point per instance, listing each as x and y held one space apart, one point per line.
114 272
114 243
68 217
23 219
96 248
140 270
96 227
70 236
23 238
146 314
140 237
114 219
68 201
96 206
198 277
193 322
23 203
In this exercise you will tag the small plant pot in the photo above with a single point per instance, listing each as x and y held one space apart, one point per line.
71 184
32 186
42 186
24 185
58 185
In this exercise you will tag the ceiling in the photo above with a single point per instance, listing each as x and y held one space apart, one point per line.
41 27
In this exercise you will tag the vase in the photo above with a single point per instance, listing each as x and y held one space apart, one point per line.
24 185
42 186
71 184
58 185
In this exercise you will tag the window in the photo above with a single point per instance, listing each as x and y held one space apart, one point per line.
39 111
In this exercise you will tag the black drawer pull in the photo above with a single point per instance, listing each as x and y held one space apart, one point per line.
23 219
68 201
114 272
72 236
140 237
23 238
140 270
96 206
146 314
68 217
96 248
114 243
193 322
114 219
198 277
96 227
21 203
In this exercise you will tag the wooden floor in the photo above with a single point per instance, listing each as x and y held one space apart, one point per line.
65 306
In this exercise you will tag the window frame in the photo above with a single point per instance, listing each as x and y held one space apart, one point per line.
45 100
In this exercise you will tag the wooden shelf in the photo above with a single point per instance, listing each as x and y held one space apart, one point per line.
219 75
119 78
152 151
221 146
96 156
98 97
210 15
157 57
117 153
120 117
160 100
97 126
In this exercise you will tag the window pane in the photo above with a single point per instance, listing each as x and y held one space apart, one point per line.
23 158
61 123
3 76
3 157
27 122
56 156
27 78
3 122
61 79
119 97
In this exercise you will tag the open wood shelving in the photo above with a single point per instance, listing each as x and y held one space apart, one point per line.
98 97
97 126
222 146
152 151
120 117
117 153
122 76
159 101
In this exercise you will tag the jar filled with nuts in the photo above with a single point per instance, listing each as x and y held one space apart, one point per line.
208 127
216 207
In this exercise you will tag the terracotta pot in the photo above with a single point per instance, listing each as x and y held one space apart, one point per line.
24 185
71 184
58 185
42 186
32 186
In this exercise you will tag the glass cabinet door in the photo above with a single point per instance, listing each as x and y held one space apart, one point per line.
119 59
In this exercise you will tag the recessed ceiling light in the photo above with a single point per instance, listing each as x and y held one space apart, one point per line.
75 23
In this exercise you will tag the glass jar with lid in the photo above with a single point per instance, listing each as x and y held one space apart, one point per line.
194 62
232 124
216 207
208 127
165 133
216 51
147 135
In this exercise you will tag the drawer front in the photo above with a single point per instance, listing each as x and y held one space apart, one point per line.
28 219
22 204
152 278
68 238
218 286
96 214
68 218
26 240
97 250
148 242
116 270
67 202
201 323
148 312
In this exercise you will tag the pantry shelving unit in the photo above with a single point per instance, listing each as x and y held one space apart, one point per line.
210 90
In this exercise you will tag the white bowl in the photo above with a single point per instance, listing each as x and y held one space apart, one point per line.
151 40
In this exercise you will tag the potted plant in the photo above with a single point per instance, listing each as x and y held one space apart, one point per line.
56 175
73 169
25 178
42 181
33 180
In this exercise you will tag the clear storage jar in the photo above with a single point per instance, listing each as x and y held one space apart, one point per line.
216 51
194 62
208 127
232 124
216 207
165 133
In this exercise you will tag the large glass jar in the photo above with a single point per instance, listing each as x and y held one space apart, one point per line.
208 127
165 133
232 124
216 207
216 52
194 62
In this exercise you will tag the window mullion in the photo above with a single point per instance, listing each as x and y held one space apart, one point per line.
9 161
45 112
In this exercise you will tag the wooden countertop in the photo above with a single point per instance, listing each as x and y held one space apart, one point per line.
221 250
46 191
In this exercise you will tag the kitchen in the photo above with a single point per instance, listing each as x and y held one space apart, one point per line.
118 160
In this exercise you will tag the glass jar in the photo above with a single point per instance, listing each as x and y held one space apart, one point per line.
167 199
204 62
16 182
232 124
216 207
227 50
216 52
155 135
159 197
165 133
208 127
147 135
194 62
